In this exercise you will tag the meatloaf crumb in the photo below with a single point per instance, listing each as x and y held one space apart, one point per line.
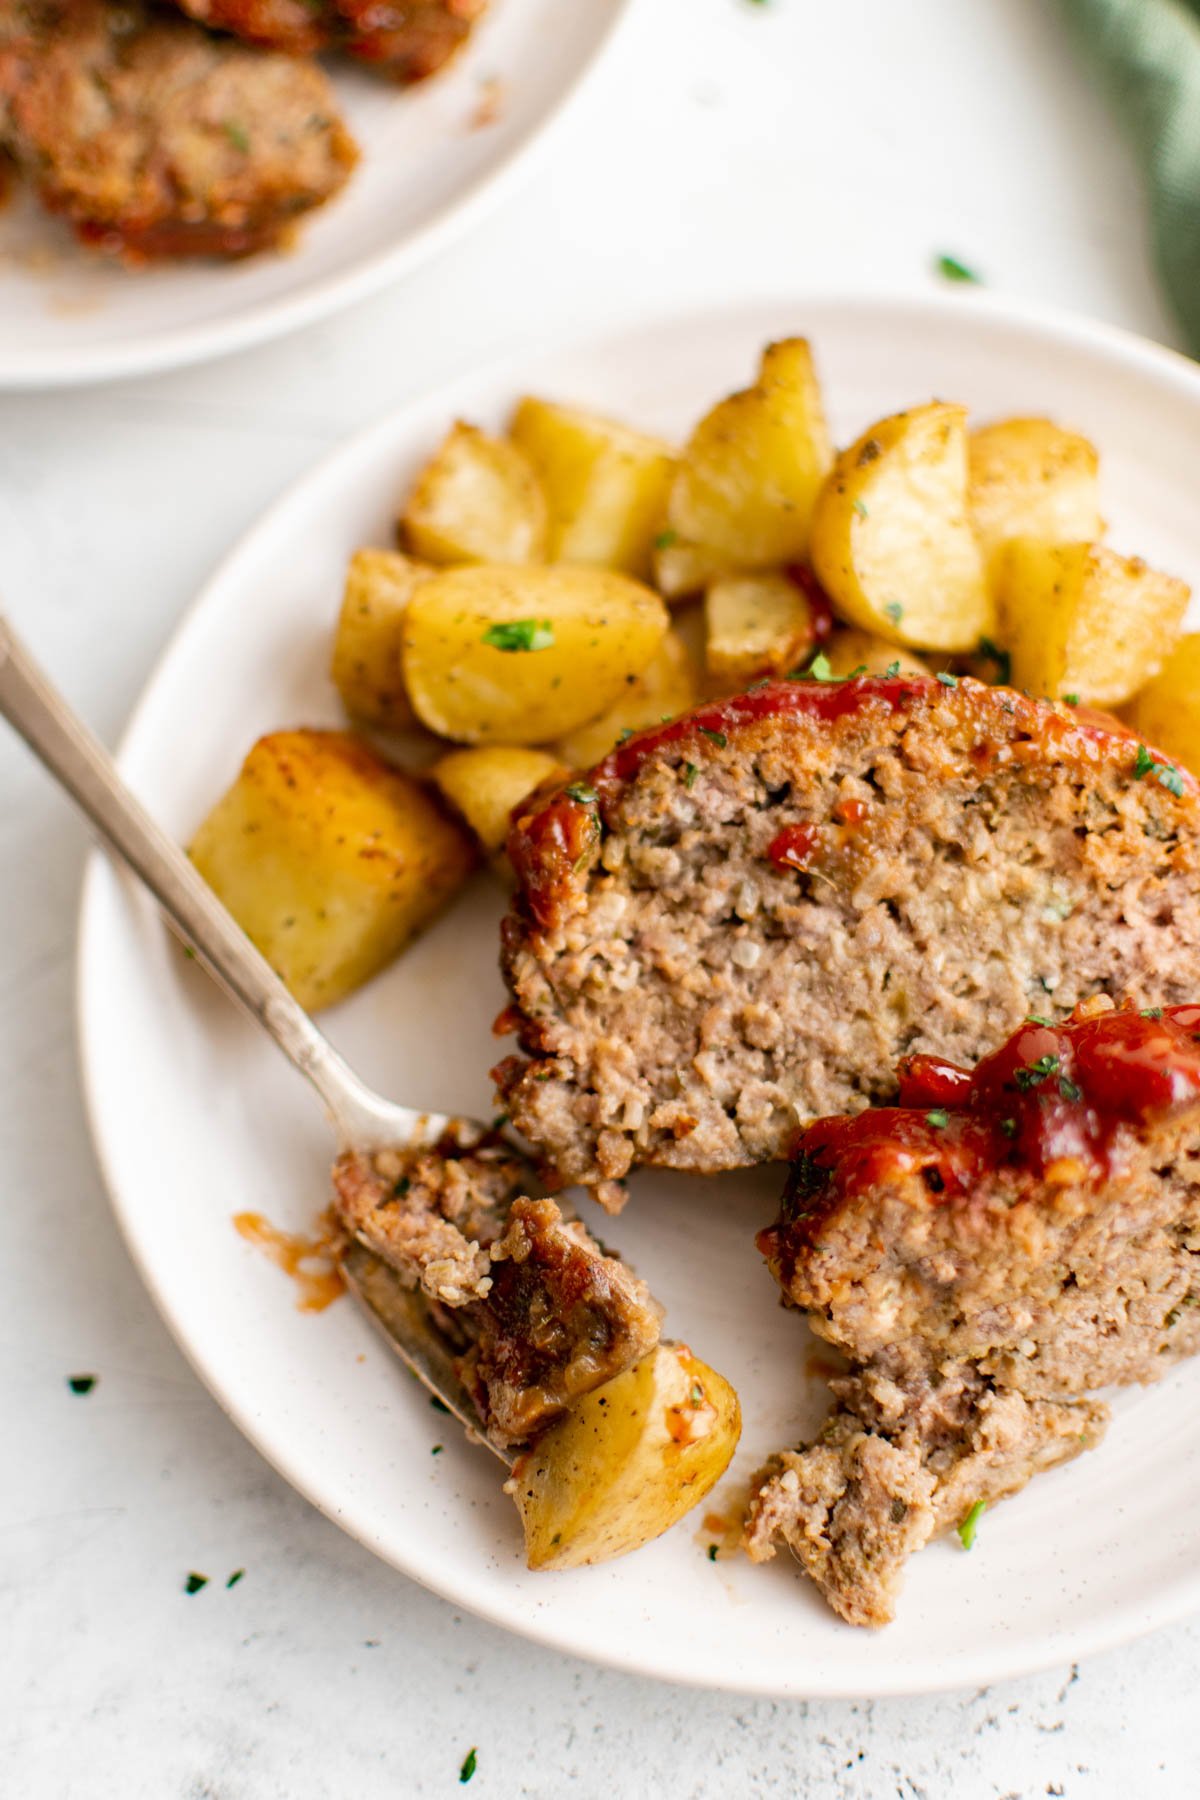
409 40
535 1310
986 1257
155 140
767 902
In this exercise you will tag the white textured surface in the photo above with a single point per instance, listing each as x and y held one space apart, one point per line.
731 148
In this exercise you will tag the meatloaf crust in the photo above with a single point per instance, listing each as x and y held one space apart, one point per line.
986 1256
409 39
154 140
741 920
534 1308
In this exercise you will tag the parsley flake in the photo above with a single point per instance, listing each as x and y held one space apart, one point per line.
82 1384
624 735
894 611
939 1118
438 1404
1009 1127
1068 1090
665 539
951 269
1001 658
401 1186
820 668
969 1526
469 1764
1037 1019
437 1449
690 772
194 1583
520 634
1148 1012
950 681
1071 699
893 668
579 790
237 134
860 507
718 737
1166 774
1037 1072
235 1578
712 1553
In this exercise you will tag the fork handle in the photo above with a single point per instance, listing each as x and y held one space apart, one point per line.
81 765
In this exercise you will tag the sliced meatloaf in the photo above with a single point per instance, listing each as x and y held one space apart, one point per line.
409 39
155 140
741 920
986 1255
535 1310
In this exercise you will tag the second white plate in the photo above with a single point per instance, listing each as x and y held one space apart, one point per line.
196 1117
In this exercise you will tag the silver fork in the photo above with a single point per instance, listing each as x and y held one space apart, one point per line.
362 1120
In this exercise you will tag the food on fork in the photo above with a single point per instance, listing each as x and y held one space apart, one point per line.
742 919
156 141
409 39
986 1255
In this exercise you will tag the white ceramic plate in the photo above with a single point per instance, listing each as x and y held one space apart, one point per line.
196 1117
427 170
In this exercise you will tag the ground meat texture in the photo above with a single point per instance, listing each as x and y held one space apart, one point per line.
535 1310
985 1257
409 39
157 141
740 921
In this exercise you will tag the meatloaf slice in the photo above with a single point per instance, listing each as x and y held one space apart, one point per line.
409 39
535 1310
986 1256
741 920
155 140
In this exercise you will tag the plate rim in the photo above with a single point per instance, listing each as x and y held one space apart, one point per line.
51 370
1127 1621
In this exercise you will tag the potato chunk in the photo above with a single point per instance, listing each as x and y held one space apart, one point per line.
1166 713
891 540
484 784
853 652
329 860
751 471
668 686
756 625
627 1461
477 500
366 648
606 484
682 570
1030 478
1080 620
498 655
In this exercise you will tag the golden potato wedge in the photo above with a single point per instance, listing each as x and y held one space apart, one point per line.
751 470
496 655
1077 619
756 625
1166 713
891 540
666 687
606 484
1030 478
626 1461
477 500
682 570
329 860
366 647
485 783
850 652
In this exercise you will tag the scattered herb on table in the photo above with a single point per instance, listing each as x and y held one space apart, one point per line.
520 634
469 1764
437 1404
235 1578
437 1449
970 1524
951 268
82 1384
194 1583
712 1553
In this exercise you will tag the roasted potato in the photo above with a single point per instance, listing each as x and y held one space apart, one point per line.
606 484
667 687
756 625
477 500
626 1461
683 570
1030 478
366 647
1166 713
1077 619
851 652
484 784
498 655
891 540
750 473
329 859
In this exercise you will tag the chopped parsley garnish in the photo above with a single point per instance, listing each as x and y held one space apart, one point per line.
1166 774
82 1384
1068 1089
893 668
938 1118
1009 1127
969 1526
665 539
194 1583
1071 699
860 507
437 1449
401 1186
1148 1012
894 611
624 735
469 1764
579 790
696 1394
820 668
951 269
235 1578
237 134
1037 1019
718 737
1037 1072
712 1553
520 634
950 681
1001 658
438 1404
690 772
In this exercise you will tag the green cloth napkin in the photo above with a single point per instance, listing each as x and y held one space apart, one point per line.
1148 52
